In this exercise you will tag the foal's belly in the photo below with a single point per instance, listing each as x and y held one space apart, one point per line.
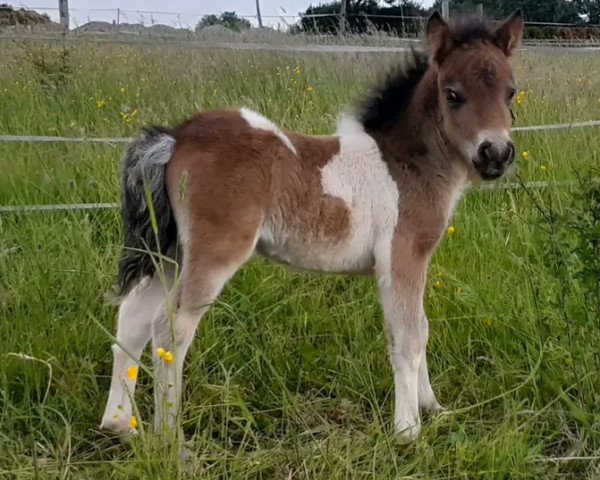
350 255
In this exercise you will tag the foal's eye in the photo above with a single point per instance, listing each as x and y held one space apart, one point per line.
511 95
452 97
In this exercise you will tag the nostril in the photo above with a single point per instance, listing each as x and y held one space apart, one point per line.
485 151
509 156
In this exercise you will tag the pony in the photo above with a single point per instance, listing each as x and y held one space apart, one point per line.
374 198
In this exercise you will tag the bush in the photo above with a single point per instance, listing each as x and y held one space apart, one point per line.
228 20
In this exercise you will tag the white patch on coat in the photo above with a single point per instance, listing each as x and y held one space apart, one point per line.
359 176
349 125
256 120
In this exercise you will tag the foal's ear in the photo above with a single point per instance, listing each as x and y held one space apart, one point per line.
439 38
509 34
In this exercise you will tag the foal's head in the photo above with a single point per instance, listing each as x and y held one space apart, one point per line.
475 88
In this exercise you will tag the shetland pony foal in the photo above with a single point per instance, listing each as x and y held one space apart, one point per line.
375 198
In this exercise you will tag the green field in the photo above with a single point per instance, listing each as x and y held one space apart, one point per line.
289 375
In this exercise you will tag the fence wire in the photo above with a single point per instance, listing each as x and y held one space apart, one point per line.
119 140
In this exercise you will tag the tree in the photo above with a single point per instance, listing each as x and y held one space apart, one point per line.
590 9
560 11
229 20
362 15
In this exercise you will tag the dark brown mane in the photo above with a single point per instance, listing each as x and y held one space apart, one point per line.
386 103
389 100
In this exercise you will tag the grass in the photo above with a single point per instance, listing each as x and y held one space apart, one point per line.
289 375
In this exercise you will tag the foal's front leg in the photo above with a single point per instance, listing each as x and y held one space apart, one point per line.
402 284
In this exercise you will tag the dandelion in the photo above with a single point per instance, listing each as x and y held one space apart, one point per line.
525 155
451 230
460 291
133 423
122 90
101 104
437 285
132 373
310 88
298 71
165 355
544 168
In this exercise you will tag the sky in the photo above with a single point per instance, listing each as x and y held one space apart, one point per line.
181 12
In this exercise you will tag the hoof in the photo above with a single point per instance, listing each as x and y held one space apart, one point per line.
433 408
118 425
408 434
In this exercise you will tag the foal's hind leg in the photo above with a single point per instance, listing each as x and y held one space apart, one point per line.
133 333
208 263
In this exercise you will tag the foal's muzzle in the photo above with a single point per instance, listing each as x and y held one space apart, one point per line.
494 157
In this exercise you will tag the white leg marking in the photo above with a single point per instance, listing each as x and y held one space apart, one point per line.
133 333
402 302
175 336
427 400
256 120
407 347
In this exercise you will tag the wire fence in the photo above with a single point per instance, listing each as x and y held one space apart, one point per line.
117 14
17 209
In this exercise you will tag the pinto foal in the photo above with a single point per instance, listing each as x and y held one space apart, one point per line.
374 198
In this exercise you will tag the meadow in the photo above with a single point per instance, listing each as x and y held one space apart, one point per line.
289 375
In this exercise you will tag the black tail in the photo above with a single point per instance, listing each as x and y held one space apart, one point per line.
144 167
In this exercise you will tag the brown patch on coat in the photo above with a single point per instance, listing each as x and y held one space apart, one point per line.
226 178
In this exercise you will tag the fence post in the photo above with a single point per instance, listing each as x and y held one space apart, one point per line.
258 14
118 21
446 9
63 11
343 16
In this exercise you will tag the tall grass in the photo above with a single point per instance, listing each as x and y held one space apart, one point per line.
289 375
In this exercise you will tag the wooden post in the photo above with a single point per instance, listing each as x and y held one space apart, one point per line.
258 14
480 11
446 9
343 16
63 11
118 20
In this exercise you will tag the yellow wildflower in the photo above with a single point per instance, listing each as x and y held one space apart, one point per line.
310 88
489 322
165 355
521 96
101 103
122 89
132 372
298 71
438 284
544 168
451 231
133 423
525 154
460 291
